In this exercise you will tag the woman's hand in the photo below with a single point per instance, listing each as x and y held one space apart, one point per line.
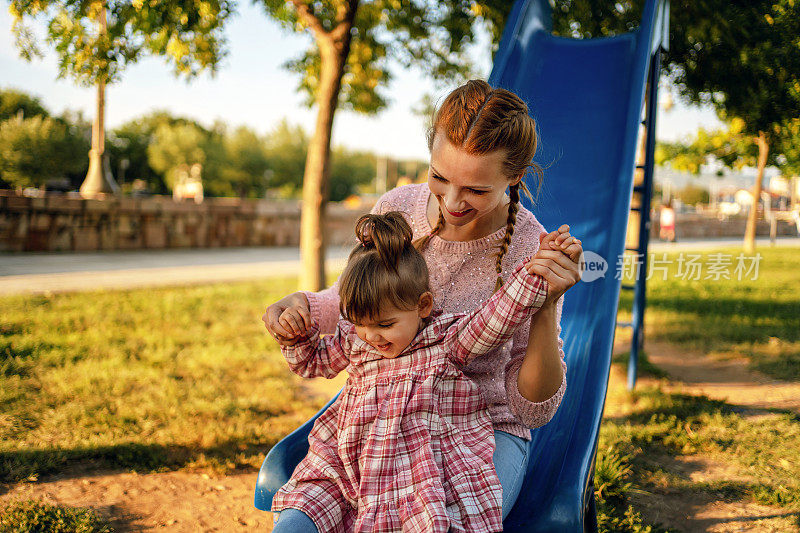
285 326
557 261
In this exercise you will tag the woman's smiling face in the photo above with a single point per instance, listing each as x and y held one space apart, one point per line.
469 188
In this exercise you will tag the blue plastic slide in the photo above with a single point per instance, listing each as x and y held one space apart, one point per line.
586 97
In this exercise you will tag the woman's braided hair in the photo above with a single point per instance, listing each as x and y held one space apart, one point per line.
480 120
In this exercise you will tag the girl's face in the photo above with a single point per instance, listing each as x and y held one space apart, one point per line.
393 329
469 188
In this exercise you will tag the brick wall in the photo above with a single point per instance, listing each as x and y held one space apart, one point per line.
698 226
60 223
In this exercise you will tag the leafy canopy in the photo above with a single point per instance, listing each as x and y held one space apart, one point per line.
13 101
188 34
37 149
429 35
741 56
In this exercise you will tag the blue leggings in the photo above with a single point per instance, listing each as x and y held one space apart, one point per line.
510 461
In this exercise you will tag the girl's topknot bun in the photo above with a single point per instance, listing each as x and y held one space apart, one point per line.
389 234
384 268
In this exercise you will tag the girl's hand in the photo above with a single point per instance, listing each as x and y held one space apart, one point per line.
557 261
285 332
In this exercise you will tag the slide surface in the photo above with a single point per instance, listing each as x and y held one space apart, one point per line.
586 97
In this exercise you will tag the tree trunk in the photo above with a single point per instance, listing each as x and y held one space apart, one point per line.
333 55
99 179
752 219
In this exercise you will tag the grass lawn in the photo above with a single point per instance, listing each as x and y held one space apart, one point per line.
758 319
649 437
159 379
144 379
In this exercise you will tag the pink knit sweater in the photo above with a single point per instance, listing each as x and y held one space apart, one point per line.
462 277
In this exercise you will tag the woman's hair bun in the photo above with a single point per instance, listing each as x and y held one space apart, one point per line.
388 234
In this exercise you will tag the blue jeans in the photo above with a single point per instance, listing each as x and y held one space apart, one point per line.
510 461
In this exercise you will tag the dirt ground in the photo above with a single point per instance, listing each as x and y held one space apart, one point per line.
729 380
172 501
192 502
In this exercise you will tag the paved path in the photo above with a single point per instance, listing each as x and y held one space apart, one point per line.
66 272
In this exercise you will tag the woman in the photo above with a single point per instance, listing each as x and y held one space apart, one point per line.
471 233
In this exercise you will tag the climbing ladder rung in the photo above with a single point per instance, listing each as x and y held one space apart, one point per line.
631 249
636 209
638 188
624 324
640 167
628 287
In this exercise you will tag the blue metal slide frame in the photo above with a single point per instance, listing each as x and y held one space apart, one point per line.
587 98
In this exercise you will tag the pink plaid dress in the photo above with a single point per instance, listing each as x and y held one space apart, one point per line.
407 446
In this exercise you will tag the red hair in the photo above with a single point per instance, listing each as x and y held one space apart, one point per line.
480 120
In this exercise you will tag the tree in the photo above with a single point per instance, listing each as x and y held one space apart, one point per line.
174 146
789 148
13 102
729 146
287 147
246 163
130 141
34 150
349 169
693 195
354 44
96 39
740 56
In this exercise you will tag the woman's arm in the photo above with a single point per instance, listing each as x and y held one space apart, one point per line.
533 410
541 372
536 375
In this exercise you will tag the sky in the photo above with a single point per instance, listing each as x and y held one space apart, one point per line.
250 88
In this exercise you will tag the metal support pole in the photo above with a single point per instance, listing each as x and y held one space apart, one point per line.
639 302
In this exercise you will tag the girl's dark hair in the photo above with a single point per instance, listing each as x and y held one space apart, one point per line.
384 267
479 120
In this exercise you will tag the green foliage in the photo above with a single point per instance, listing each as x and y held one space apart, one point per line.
33 516
430 36
693 195
174 146
349 169
730 146
741 57
286 152
12 102
34 150
235 162
246 163
130 141
189 35
788 147
287 146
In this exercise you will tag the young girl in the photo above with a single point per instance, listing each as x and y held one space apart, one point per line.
482 143
408 444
